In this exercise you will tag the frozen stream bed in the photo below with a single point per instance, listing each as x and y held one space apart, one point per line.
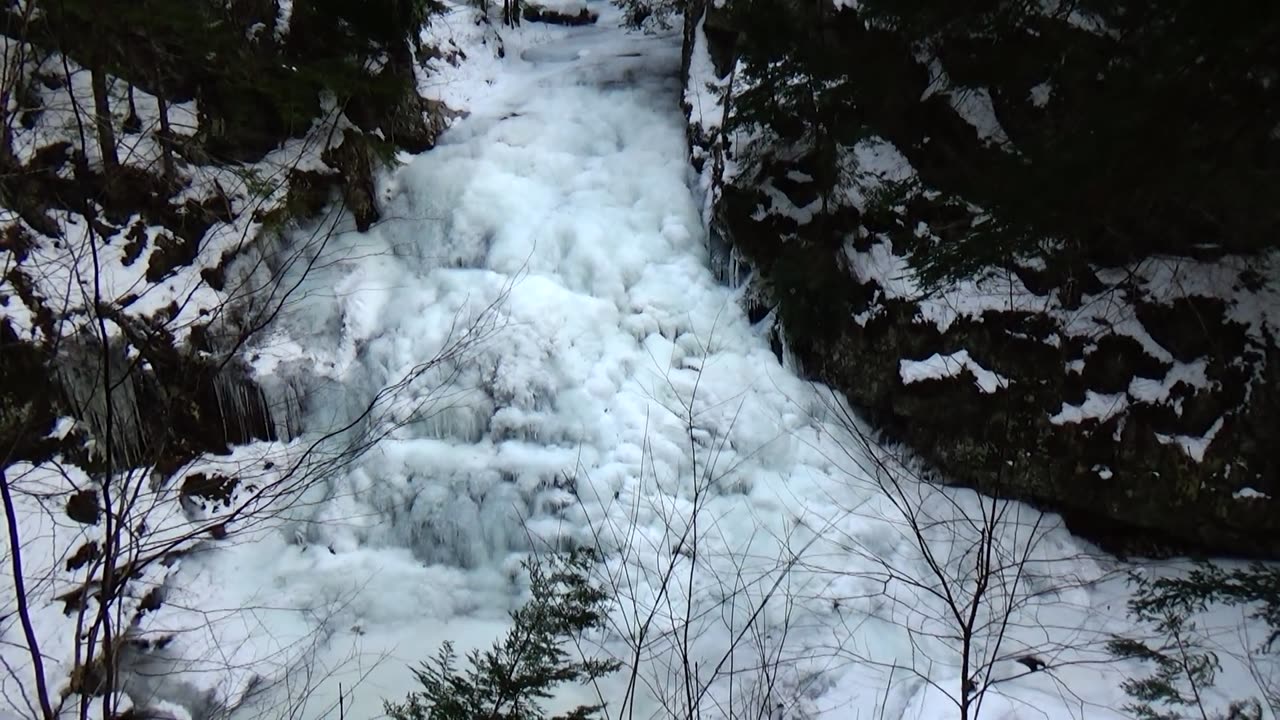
611 393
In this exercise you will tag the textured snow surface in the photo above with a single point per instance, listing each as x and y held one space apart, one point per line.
564 198
619 398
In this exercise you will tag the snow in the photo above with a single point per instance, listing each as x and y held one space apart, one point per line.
973 105
563 7
1192 375
69 280
51 539
1249 494
939 366
705 92
62 427
1040 94
1096 406
1249 289
873 163
609 392
1089 22
283 17
783 205
891 271
1256 305
561 205
1193 446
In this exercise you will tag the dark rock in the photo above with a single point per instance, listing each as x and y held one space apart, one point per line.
1116 361
82 506
1192 327
1124 481
355 160
406 120
170 253
537 13
208 490
136 243
84 555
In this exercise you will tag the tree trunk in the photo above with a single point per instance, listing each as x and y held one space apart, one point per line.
166 136
102 118
132 123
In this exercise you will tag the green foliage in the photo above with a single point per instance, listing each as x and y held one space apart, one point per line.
509 680
1185 667
986 243
258 187
1257 586
791 82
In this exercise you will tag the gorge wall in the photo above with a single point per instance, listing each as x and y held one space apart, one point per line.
1125 376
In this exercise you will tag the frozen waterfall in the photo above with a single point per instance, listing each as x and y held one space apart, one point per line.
609 390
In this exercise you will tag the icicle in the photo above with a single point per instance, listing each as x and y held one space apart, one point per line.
281 407
222 412
242 410
790 362
81 378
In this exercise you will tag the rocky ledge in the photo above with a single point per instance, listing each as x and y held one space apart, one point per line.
1137 397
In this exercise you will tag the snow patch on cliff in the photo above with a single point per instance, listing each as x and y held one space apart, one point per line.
938 366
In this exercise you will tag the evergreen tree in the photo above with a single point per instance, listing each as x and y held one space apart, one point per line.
1185 666
511 679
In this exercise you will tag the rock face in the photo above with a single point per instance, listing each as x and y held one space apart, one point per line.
151 307
570 14
1137 397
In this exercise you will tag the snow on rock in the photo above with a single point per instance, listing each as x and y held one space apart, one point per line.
1250 494
973 105
942 366
1097 406
1248 288
1154 392
1193 446
284 16
124 269
1040 94
704 94
1090 22
782 205
879 264
571 12
57 537
872 163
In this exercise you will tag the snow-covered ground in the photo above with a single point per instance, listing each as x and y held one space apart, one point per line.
615 395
